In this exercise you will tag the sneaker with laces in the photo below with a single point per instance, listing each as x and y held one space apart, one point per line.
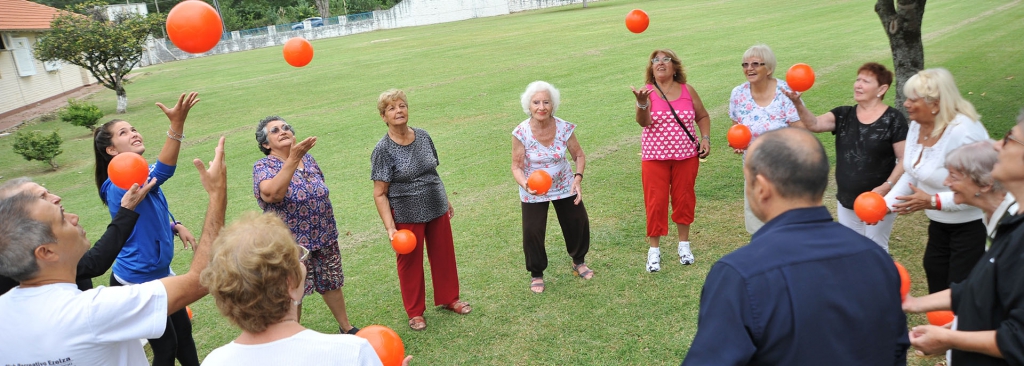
653 260
685 256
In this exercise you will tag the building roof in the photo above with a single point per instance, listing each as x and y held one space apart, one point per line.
25 15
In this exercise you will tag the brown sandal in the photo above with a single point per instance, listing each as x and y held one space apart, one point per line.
537 285
582 271
459 307
418 323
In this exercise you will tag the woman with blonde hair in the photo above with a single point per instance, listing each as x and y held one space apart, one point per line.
669 109
257 278
941 121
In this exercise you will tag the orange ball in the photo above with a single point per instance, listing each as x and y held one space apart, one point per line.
539 181
870 207
800 77
904 280
298 52
386 342
189 312
940 317
739 136
637 21
126 169
194 26
403 242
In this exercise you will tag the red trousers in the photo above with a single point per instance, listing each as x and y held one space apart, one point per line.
437 235
662 178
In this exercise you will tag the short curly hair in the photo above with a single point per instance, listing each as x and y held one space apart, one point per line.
252 262
390 96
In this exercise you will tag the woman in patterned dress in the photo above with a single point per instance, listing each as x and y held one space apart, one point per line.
669 155
289 183
761 105
541 142
409 195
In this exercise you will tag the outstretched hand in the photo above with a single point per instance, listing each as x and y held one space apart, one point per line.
642 96
178 114
135 194
793 96
299 150
215 177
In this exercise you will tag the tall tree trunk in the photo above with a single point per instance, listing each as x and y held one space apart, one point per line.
324 8
902 24
122 99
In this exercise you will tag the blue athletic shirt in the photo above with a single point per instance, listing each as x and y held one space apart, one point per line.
147 254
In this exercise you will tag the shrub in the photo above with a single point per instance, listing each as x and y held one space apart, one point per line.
82 114
33 145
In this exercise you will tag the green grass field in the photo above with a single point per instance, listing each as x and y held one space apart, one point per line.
463 80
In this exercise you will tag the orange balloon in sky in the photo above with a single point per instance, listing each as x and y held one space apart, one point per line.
194 26
403 242
539 181
126 169
637 21
800 77
738 136
385 342
870 207
298 52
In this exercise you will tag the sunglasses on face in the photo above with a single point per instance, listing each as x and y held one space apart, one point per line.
752 64
1009 137
278 129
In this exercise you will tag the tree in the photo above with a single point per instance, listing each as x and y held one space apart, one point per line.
324 8
33 145
902 23
109 49
83 114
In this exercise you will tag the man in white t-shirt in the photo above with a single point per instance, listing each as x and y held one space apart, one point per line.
47 320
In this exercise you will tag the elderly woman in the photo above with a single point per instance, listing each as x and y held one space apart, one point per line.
147 254
409 194
761 105
869 141
989 303
670 107
289 183
540 143
257 277
941 120
970 180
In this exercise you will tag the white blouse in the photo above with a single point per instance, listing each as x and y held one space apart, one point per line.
925 168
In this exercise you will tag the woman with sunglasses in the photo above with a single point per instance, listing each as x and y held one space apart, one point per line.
941 121
257 276
147 254
669 152
870 138
989 303
289 183
760 105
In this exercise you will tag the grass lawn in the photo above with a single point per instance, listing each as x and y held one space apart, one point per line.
463 80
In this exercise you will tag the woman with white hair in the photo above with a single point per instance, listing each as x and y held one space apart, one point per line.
941 120
761 105
540 143
970 180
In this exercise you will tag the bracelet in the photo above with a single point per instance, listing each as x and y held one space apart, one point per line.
643 106
178 139
173 224
174 135
938 202
579 174
705 137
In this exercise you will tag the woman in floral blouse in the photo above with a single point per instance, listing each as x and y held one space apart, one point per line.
289 183
541 142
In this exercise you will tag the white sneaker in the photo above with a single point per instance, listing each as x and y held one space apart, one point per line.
685 256
653 260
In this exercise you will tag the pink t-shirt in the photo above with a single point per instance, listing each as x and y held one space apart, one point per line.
664 139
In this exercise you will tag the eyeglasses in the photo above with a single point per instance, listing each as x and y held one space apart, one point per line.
753 64
285 127
303 254
1009 137
666 60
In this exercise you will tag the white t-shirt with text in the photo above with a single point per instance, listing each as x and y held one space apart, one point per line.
307 347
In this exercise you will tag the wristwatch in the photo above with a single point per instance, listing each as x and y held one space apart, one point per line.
933 202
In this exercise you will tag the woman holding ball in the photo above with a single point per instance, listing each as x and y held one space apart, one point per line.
540 143
668 109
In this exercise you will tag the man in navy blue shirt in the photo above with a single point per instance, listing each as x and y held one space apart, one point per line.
806 290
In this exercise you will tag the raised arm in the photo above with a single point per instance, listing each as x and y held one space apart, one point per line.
823 123
643 106
176 131
276 189
185 289
98 259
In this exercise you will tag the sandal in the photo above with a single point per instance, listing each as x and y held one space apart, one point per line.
537 285
582 271
418 323
459 307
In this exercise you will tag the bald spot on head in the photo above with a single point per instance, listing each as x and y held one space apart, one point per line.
793 160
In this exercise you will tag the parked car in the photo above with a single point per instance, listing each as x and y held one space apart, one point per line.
314 21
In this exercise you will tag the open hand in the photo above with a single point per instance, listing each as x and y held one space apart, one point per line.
299 150
643 96
793 96
135 194
178 114
215 177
